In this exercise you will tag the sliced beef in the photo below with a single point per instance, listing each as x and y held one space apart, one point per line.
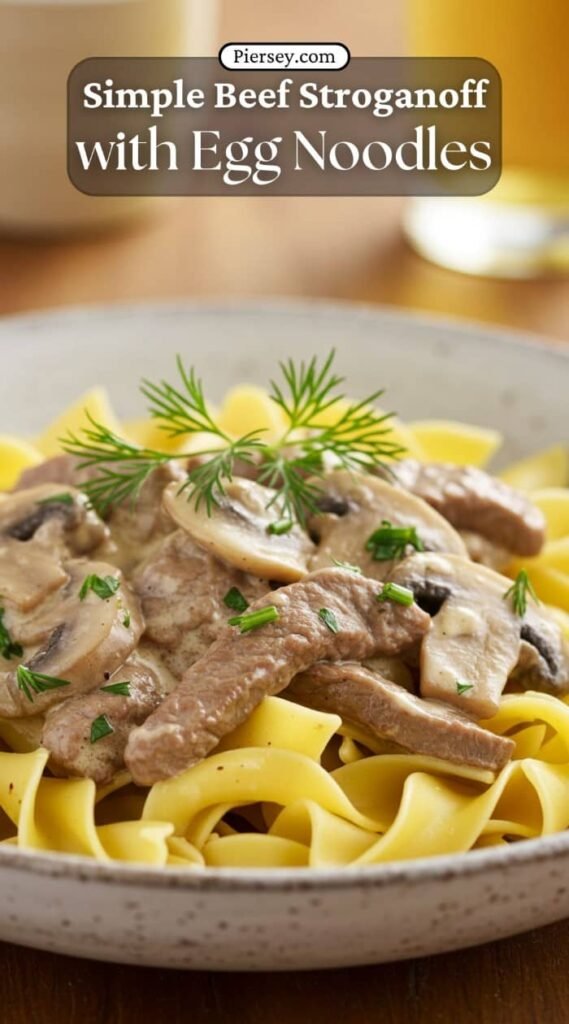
138 526
67 729
61 469
181 587
221 689
472 500
388 711
79 641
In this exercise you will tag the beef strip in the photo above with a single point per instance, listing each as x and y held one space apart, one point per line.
472 500
390 712
67 729
221 689
181 587
139 526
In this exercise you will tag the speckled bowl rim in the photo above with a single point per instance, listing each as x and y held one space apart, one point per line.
222 880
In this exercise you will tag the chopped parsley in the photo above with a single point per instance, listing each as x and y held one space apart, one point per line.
57 499
8 649
255 619
390 541
400 595
329 619
118 689
103 586
521 587
30 682
463 687
234 599
126 620
100 727
280 527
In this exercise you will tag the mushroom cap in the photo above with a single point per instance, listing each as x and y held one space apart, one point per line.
237 530
357 504
36 513
474 641
80 641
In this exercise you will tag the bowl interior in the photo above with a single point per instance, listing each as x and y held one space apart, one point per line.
428 368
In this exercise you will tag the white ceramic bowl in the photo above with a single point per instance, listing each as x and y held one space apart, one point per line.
270 920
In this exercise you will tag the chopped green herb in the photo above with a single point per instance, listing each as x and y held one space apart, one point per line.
393 592
280 527
100 727
126 620
255 619
463 687
329 619
8 649
521 587
35 682
348 566
57 499
234 599
118 689
390 541
103 586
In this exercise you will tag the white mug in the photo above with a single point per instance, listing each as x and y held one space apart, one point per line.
40 42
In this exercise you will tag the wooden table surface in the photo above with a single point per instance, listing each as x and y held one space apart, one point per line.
350 249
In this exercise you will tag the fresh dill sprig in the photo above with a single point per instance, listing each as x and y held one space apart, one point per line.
122 467
519 591
181 412
358 440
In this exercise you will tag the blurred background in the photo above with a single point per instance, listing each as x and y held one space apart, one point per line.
354 249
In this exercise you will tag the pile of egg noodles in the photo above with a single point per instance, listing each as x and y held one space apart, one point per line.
316 791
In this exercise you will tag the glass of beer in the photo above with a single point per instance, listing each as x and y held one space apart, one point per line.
521 227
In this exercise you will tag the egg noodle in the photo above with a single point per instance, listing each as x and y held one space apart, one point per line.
316 791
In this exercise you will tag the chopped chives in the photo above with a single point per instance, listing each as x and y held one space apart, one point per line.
280 527
255 619
390 541
400 595
463 687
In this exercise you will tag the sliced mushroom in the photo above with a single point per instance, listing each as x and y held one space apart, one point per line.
52 515
388 711
221 689
354 505
79 641
472 500
544 653
477 641
29 573
238 530
67 730
474 642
